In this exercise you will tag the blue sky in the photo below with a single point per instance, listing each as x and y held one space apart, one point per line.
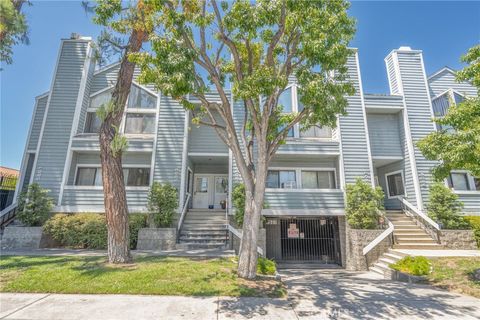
444 30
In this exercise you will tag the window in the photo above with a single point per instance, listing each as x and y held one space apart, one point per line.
201 185
283 179
221 185
318 180
458 181
92 123
140 123
476 183
88 177
285 100
317 132
141 99
395 185
136 177
100 99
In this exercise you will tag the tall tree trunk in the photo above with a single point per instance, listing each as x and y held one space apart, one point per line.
116 210
254 199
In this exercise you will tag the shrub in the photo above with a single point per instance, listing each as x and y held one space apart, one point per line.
364 205
238 200
88 230
475 224
34 206
417 266
266 266
444 207
162 202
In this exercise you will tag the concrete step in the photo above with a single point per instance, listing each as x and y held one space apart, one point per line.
392 256
194 233
206 228
205 240
402 240
409 232
194 246
377 270
387 260
396 253
403 223
427 246
204 223
408 228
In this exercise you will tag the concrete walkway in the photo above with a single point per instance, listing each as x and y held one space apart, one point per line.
440 253
200 253
313 294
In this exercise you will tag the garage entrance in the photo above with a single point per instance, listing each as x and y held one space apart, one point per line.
309 239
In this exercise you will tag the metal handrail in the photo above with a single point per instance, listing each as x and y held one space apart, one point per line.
7 214
184 211
239 235
379 238
422 218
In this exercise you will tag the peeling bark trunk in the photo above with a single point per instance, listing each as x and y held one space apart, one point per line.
254 200
116 210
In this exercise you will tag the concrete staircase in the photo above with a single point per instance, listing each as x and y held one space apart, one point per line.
408 235
382 265
203 229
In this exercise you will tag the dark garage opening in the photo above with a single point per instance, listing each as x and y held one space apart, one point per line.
312 239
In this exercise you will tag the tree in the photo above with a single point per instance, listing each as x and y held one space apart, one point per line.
13 27
34 206
458 147
162 202
255 47
364 205
445 208
136 22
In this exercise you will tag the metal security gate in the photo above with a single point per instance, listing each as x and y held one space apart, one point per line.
304 239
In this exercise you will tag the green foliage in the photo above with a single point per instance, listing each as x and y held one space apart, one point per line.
364 205
162 202
458 148
238 200
34 206
89 230
475 224
13 28
417 266
266 266
444 207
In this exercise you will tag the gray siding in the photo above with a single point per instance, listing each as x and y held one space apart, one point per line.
309 146
86 99
446 80
383 101
168 153
353 132
384 132
104 79
471 202
94 198
381 172
204 139
93 144
304 200
417 102
59 120
37 120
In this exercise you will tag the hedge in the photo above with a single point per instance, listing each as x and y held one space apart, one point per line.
88 230
475 223
417 266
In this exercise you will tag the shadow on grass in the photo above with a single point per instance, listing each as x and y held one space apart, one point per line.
13 262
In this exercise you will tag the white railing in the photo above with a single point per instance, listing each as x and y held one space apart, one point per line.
184 211
239 235
412 209
379 239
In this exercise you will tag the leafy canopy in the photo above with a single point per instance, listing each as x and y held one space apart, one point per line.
444 207
13 28
458 148
255 47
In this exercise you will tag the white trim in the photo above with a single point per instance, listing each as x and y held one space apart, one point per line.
450 91
403 182
230 164
387 158
94 208
82 187
280 190
379 238
103 90
105 68
96 166
303 212
408 137
308 153
207 154
369 152
88 63
44 121
184 168
153 93
341 164
26 151
441 71
298 177
155 138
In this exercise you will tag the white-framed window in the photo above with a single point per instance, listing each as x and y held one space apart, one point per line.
92 123
136 177
141 99
140 123
395 184
314 179
458 181
281 179
289 99
88 176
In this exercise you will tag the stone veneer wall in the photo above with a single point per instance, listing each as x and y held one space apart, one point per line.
157 239
458 239
262 241
356 240
342 228
19 237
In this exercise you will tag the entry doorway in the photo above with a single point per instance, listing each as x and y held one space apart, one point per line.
210 190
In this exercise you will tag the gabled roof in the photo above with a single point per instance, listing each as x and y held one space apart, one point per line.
443 70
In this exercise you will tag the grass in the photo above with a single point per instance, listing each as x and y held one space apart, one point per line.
456 274
148 275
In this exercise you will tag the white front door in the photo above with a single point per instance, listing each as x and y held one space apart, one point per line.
201 194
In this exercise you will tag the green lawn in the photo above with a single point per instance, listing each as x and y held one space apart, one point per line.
152 275
456 274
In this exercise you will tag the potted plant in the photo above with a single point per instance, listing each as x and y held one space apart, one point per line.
223 204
